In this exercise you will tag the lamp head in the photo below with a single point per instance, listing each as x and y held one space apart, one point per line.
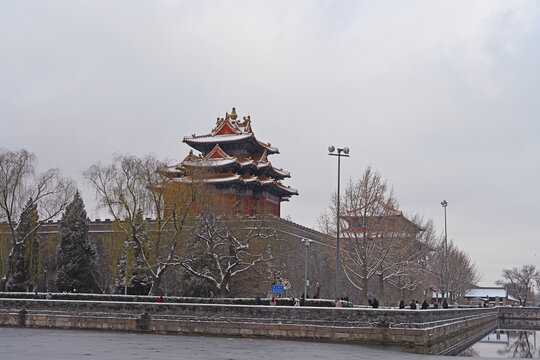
346 151
444 203
331 149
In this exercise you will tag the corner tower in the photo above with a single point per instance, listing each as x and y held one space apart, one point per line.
235 164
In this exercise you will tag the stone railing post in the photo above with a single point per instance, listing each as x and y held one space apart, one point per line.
143 323
22 317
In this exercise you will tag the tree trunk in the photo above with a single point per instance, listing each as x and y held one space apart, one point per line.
222 292
155 285
364 291
381 289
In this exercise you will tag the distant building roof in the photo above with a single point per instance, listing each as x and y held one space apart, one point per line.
492 292
486 291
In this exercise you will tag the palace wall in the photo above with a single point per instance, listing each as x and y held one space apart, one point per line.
287 248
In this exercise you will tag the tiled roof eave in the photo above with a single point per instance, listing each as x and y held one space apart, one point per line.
216 139
250 181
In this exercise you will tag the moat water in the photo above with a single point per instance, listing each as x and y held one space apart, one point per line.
506 343
518 339
34 344
514 340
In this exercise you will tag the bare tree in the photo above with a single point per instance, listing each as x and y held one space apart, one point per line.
222 247
367 205
132 187
406 266
519 281
22 188
463 274
519 345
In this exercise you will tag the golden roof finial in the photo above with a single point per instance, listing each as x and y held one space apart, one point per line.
233 114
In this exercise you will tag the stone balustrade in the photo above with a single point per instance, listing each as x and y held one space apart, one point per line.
422 331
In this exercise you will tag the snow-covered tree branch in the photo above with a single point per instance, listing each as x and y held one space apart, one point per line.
132 189
222 247
23 190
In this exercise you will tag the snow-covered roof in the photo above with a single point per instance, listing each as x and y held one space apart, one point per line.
249 179
486 292
261 165
282 172
230 177
229 130
210 162
211 139
217 157
245 162
491 292
248 166
287 188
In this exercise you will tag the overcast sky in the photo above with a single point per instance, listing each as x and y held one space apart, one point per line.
442 97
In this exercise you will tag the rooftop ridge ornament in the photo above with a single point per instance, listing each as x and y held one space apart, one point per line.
233 114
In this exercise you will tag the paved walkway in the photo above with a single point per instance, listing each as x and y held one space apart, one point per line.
28 344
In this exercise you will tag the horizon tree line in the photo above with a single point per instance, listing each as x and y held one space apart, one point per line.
189 247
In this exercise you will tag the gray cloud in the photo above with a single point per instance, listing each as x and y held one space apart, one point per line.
441 97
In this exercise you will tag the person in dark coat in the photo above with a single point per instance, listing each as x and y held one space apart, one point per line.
425 305
413 305
375 303
402 304
445 304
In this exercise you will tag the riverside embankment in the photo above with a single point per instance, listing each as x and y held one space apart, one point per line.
421 331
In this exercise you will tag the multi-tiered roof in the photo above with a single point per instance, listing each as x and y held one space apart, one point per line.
234 161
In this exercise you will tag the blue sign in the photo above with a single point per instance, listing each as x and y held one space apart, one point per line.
277 289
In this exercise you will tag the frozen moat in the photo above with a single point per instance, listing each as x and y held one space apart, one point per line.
28 344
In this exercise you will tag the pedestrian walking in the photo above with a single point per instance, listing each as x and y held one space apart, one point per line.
425 305
402 304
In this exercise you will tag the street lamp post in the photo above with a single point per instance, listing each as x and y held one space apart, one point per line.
45 268
444 204
306 242
340 152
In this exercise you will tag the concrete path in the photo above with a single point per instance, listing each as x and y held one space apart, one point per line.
28 344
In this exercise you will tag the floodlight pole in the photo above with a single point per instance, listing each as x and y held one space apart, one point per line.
306 243
444 204
340 152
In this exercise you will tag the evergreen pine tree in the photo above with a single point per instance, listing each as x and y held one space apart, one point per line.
131 268
76 258
25 261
